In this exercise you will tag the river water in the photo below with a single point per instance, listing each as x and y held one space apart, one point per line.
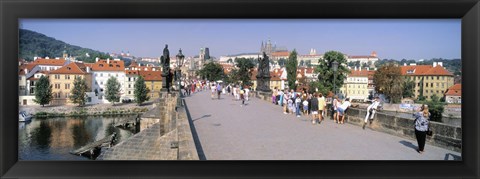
54 138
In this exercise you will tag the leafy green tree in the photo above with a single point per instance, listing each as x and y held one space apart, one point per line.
244 72
291 68
112 93
212 71
408 88
389 81
78 92
141 91
436 108
43 91
326 74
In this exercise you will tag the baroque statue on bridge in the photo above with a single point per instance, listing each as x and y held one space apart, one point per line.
165 62
263 76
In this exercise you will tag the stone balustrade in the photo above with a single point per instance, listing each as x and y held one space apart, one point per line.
444 135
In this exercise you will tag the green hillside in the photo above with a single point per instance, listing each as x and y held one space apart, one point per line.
36 44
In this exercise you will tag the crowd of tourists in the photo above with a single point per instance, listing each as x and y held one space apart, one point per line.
310 104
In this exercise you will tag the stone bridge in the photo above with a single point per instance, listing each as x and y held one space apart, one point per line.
206 129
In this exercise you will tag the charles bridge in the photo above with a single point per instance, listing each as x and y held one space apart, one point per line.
206 129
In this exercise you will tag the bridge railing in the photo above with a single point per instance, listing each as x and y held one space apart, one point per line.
444 135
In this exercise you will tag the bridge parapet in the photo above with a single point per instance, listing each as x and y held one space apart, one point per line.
444 135
165 135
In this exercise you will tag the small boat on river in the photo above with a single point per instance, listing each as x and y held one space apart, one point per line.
23 116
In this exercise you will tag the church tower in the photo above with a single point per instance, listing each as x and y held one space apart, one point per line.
65 55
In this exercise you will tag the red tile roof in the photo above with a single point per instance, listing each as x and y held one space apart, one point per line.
151 75
113 65
358 73
28 66
53 62
455 90
282 53
425 70
71 68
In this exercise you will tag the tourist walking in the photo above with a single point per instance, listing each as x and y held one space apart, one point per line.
298 102
371 110
421 126
242 96
305 106
322 105
274 95
247 93
341 110
212 88
314 108
335 104
219 90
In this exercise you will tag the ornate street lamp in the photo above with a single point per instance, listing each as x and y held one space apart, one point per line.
334 67
178 76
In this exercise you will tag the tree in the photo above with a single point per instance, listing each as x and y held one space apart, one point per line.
244 72
43 91
212 71
389 81
78 92
141 91
408 88
435 107
326 74
112 93
291 68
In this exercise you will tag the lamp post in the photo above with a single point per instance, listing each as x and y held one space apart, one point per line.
334 67
178 76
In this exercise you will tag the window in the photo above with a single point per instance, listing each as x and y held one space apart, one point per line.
57 76
438 77
101 74
426 84
57 86
437 85
67 86
443 85
443 78
129 86
431 84
129 92
431 91
67 77
96 83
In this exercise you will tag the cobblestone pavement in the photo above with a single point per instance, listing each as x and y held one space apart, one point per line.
260 131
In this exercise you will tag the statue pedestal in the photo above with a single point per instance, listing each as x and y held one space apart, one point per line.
264 95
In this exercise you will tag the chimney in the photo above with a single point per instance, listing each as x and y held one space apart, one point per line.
96 59
375 69
35 58
434 64
440 64
360 69
26 71
153 69
47 57
368 68
349 68
108 60
413 64
355 68
404 64
88 69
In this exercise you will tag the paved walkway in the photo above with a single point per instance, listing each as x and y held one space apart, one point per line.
260 131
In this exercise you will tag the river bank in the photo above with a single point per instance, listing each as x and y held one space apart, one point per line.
88 110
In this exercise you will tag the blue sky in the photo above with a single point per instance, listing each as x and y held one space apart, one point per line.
390 38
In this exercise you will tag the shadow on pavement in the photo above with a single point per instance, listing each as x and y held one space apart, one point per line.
204 116
454 157
408 144
198 145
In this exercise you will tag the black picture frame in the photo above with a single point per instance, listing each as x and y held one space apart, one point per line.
467 10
